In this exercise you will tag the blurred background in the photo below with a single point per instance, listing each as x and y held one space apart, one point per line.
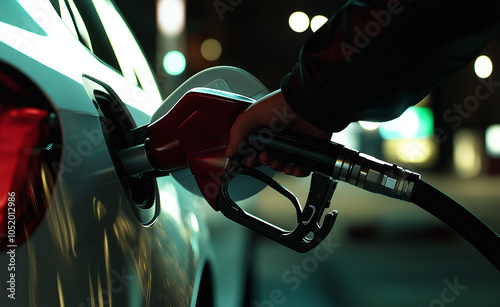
381 252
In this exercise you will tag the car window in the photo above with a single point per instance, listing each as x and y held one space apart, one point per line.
100 27
55 4
120 38
83 33
131 58
82 19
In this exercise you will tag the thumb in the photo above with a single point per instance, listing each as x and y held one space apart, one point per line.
244 125
258 115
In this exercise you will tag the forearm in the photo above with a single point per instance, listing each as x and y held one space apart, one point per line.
372 63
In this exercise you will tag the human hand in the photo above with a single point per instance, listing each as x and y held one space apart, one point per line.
271 111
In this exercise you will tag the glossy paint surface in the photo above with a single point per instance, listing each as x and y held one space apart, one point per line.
90 249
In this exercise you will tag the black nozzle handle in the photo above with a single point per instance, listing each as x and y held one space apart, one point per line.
315 154
337 161
309 232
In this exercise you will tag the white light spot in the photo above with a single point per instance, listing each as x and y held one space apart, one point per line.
493 140
299 21
369 125
483 67
171 17
194 223
318 21
405 126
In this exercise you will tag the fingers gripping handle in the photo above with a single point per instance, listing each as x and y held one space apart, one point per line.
339 162
309 231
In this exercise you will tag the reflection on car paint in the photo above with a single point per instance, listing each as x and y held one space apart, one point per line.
62 225
121 234
90 249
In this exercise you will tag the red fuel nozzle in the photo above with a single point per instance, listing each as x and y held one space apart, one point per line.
194 133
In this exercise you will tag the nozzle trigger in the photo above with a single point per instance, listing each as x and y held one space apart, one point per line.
309 231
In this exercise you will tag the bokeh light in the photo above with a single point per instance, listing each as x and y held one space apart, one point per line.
317 22
171 17
211 49
467 153
493 141
298 21
414 123
369 125
483 67
174 63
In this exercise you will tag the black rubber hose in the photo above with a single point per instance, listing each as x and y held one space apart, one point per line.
461 220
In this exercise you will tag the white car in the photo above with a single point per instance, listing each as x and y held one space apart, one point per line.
75 229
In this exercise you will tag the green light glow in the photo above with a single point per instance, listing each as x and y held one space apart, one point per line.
414 123
174 63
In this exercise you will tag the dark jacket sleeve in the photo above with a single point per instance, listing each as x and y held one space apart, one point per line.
374 59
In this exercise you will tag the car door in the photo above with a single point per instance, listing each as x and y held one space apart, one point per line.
105 238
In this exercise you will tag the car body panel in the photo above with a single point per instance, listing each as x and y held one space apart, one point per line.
90 249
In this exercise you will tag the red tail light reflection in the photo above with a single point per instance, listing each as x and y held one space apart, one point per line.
26 181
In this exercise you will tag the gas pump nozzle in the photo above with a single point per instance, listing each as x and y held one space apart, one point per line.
194 134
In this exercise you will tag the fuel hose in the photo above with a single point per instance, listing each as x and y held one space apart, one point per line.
380 177
458 218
